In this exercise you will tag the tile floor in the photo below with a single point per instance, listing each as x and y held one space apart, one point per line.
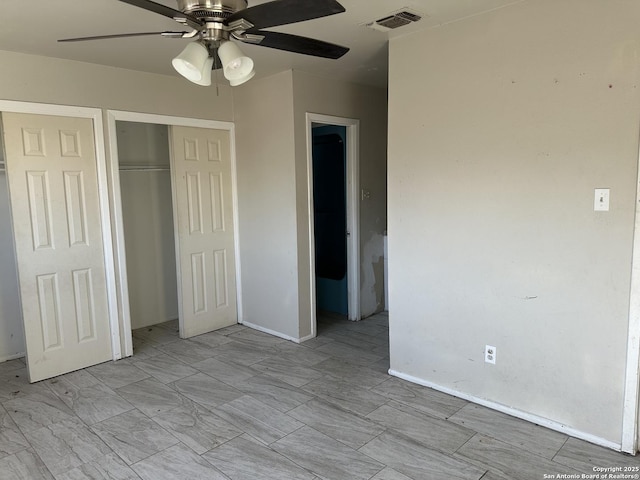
238 404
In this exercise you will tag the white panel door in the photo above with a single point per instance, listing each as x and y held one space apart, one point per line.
204 229
51 167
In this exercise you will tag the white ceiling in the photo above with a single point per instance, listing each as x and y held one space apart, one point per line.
33 26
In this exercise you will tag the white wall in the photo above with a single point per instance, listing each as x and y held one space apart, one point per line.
500 128
32 78
267 203
147 215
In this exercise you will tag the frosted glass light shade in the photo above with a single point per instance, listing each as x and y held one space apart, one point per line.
191 62
241 80
237 67
205 79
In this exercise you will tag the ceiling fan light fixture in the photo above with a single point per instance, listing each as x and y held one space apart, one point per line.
236 66
191 63
213 23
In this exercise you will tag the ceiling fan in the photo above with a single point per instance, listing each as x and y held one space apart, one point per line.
214 23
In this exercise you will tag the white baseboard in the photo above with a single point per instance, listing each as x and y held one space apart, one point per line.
272 332
304 339
6 358
543 422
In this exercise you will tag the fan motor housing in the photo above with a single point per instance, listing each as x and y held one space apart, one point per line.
211 10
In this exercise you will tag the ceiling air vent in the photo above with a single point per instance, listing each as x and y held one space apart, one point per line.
395 20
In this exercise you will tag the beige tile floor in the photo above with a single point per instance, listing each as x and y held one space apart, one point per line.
238 404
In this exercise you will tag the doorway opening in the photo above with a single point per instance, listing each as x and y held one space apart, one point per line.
330 220
332 160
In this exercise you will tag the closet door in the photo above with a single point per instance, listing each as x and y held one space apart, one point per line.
204 229
51 167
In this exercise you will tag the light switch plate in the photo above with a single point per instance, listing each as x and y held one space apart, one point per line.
601 200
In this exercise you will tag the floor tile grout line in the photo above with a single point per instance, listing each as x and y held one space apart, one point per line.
318 432
262 423
468 440
509 442
457 411
528 453
431 448
484 475
378 461
553 459
148 456
289 458
35 452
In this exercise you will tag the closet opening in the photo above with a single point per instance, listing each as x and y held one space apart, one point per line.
173 200
148 225
12 344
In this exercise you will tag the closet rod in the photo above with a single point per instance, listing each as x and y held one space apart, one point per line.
143 169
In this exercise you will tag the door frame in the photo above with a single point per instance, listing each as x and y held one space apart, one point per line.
353 213
94 114
630 408
124 314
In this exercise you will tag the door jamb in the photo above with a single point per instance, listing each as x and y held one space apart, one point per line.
94 114
353 213
124 315
629 441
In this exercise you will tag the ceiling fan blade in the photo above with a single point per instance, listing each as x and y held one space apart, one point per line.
124 35
297 44
177 15
283 12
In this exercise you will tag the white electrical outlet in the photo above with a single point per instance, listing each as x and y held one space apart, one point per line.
490 354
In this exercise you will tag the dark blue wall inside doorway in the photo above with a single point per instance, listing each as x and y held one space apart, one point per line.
330 219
